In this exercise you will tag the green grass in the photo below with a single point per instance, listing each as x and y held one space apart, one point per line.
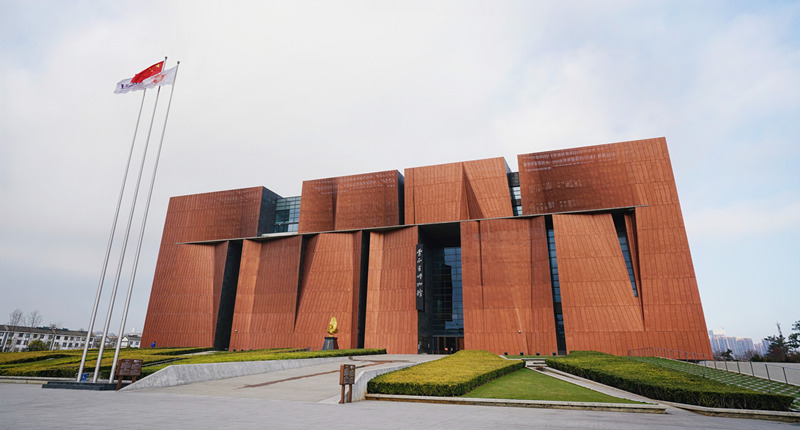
263 355
662 383
66 363
454 375
527 384
726 377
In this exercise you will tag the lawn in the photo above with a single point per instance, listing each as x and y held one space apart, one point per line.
527 384
663 383
66 363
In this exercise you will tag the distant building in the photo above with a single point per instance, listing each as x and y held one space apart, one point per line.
17 338
740 347
132 340
762 347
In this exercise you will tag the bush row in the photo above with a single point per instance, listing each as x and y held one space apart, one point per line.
661 383
454 375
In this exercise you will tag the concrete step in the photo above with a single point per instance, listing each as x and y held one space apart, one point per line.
536 363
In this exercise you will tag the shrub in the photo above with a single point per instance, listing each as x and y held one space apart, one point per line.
661 383
454 375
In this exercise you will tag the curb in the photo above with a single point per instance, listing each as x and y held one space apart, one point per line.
31 379
544 404
190 373
789 417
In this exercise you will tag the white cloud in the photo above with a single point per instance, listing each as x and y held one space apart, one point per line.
742 220
273 93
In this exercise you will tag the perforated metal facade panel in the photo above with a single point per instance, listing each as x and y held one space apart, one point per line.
612 212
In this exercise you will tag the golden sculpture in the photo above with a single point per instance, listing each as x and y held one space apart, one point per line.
333 327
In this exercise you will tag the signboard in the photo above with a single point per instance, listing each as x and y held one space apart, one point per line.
420 281
129 367
347 375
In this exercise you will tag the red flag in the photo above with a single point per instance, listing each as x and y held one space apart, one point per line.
146 73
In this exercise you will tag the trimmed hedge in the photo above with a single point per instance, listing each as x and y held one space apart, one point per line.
660 383
30 356
451 376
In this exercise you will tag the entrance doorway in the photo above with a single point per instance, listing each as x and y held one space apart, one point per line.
447 344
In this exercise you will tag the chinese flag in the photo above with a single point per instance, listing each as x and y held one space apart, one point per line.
146 73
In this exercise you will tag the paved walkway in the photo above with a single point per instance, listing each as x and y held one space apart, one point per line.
302 398
304 384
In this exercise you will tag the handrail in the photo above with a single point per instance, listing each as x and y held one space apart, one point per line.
696 358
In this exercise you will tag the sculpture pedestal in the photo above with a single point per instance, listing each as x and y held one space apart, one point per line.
330 343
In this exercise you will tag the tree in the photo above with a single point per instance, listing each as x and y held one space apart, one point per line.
727 355
794 339
54 328
34 318
36 345
777 346
15 317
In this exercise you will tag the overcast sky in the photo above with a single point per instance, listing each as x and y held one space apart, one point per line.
274 93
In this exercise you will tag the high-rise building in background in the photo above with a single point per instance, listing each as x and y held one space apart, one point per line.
740 347
582 249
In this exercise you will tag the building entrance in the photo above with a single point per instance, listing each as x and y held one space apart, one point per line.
441 319
447 344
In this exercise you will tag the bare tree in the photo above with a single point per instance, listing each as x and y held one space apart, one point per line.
34 318
15 317
53 326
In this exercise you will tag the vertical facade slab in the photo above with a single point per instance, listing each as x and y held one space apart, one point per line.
508 304
672 308
601 312
543 332
391 313
629 174
266 298
329 287
184 299
457 191
351 202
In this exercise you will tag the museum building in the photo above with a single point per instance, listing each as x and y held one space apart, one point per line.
582 249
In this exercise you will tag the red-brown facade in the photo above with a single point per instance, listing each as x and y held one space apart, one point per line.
457 191
184 300
351 202
595 257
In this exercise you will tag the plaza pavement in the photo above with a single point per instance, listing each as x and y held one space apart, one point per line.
305 398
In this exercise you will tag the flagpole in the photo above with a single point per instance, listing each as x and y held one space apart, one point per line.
108 247
144 222
125 242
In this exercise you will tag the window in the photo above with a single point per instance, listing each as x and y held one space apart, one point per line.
622 235
287 214
561 341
